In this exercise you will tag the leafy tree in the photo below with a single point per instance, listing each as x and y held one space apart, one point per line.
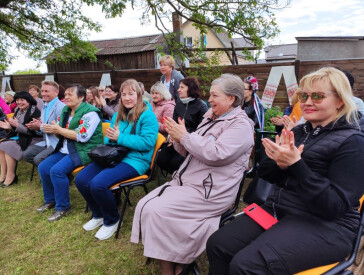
40 26
28 71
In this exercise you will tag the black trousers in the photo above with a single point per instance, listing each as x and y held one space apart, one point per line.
293 244
168 159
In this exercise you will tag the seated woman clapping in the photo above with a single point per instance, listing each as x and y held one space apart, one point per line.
317 171
11 150
94 181
191 109
163 104
79 130
175 220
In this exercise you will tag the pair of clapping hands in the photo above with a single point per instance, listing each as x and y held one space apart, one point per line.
285 121
8 123
174 129
283 151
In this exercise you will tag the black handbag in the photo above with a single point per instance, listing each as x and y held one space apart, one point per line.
109 155
258 191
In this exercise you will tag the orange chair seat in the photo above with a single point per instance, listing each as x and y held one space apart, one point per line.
317 270
78 169
142 177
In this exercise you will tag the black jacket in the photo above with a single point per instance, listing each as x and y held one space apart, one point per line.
328 180
192 113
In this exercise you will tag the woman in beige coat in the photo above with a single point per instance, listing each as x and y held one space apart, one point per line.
176 219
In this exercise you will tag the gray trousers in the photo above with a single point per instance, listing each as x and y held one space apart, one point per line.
36 154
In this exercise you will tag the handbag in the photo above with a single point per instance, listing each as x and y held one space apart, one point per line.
258 191
109 155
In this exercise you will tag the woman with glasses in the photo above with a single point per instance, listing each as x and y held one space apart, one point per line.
317 171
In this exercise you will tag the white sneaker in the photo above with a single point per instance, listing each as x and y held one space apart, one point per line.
93 223
106 232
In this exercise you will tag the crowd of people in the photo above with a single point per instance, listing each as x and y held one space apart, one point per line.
314 165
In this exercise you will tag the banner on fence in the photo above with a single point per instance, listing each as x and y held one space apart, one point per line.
105 80
6 81
274 78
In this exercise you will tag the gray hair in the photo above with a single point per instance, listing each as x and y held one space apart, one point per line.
233 85
161 89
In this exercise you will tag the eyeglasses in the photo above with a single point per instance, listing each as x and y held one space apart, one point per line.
316 97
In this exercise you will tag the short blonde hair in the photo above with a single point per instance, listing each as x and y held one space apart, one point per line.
341 87
168 60
161 89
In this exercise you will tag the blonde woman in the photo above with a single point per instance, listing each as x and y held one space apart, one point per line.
317 171
170 76
94 181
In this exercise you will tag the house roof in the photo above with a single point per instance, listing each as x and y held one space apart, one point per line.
128 44
330 38
284 51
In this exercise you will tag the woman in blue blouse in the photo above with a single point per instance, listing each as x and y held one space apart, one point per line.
94 181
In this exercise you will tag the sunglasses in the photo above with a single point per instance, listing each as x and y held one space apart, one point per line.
316 97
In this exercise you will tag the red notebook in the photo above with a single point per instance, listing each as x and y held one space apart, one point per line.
260 216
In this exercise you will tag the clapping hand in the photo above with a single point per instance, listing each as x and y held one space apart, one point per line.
283 151
278 120
5 125
175 130
113 134
34 124
53 128
100 101
13 122
289 123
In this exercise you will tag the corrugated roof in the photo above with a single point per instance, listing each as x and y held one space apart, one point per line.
330 38
129 44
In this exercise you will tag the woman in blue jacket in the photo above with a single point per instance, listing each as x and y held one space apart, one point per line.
94 181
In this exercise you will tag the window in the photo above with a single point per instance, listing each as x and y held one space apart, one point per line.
188 42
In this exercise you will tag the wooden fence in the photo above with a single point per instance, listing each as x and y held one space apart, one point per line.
150 76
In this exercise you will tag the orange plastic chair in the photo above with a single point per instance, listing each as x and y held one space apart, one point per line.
337 268
142 180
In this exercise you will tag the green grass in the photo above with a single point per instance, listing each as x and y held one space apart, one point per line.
32 245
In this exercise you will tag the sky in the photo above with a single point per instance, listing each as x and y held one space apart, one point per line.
300 18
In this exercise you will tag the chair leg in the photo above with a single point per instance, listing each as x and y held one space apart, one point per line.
32 173
122 212
126 197
145 189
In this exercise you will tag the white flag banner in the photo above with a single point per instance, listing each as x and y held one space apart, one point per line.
105 80
49 77
271 87
6 81
274 78
290 80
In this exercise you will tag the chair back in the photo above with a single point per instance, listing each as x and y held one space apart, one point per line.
160 140
10 115
228 215
105 126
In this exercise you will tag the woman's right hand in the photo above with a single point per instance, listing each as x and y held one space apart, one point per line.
5 125
278 120
100 101
289 123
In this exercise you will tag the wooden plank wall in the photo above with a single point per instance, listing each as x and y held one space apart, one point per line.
150 76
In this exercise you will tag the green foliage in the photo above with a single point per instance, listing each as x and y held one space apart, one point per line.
28 71
269 113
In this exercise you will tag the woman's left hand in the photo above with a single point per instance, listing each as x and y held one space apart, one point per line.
5 125
176 131
283 151
113 134
53 128
13 122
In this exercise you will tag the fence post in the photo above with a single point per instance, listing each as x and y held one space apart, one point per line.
297 64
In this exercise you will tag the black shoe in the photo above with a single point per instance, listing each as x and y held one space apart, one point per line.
58 214
45 206
15 180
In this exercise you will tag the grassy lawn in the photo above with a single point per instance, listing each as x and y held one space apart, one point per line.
32 245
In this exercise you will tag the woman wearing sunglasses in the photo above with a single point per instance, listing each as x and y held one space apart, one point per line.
317 170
